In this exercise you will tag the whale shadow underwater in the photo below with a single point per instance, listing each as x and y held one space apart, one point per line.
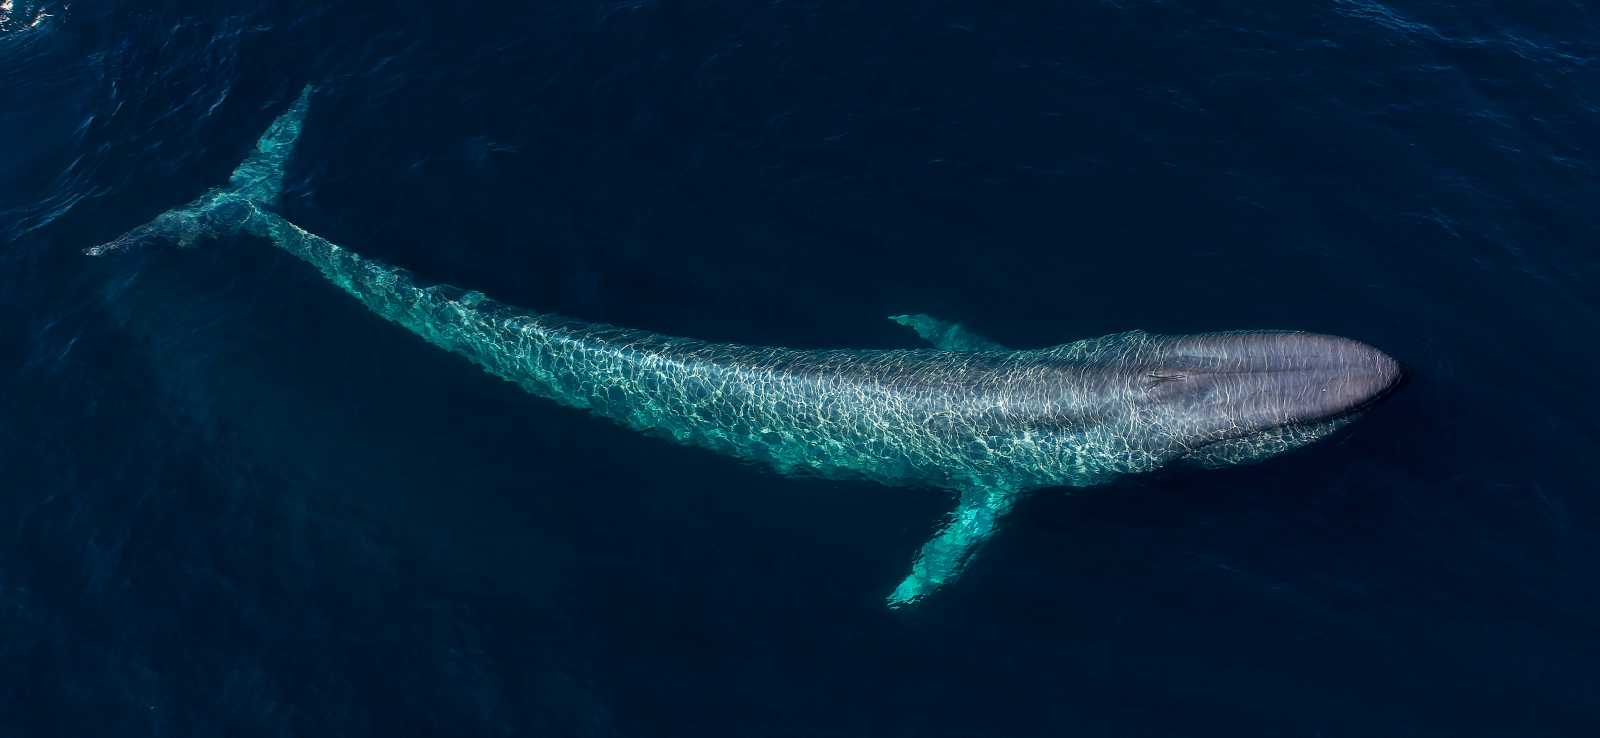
968 415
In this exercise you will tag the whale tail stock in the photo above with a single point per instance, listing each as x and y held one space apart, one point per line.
257 184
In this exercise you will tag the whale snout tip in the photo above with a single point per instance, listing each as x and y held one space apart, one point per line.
1375 374
1347 376
1392 370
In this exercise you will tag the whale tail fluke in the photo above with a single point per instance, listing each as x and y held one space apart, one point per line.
256 184
259 178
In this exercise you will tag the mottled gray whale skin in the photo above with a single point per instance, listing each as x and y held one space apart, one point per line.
968 415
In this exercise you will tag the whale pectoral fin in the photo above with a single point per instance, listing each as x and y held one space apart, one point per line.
943 557
946 335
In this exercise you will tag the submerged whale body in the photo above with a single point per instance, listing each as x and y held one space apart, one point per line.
967 415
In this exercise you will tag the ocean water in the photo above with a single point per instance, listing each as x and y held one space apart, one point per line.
234 503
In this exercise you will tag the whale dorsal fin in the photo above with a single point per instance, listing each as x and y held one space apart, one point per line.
944 556
946 335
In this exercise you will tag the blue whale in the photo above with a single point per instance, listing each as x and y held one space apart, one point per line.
984 421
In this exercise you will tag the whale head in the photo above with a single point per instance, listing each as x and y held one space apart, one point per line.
1228 398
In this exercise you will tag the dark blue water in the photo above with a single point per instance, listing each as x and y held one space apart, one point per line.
234 503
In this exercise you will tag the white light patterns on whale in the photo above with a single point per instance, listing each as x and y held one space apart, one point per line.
969 415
